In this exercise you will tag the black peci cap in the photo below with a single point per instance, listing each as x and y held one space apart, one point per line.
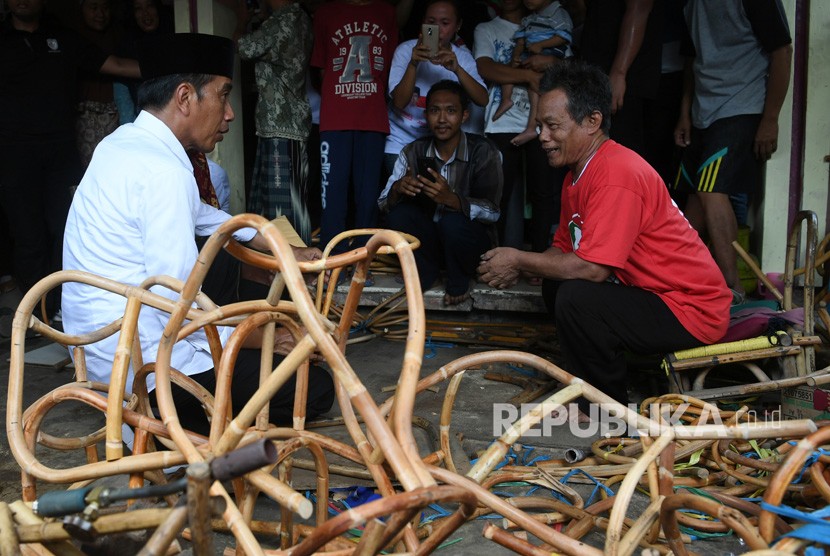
161 55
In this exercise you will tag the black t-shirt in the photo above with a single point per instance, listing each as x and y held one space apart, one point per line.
39 81
601 33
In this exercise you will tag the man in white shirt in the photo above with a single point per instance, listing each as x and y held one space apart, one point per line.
137 210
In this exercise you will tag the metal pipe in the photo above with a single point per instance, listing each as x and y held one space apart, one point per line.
574 455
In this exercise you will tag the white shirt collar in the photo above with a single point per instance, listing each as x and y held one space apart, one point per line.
159 129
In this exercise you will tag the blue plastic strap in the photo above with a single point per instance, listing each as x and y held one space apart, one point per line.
817 529
538 458
429 347
810 461
816 517
812 532
439 512
598 484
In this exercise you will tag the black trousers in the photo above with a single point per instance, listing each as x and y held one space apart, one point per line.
598 322
454 243
661 115
223 286
544 186
221 283
244 385
35 191
627 123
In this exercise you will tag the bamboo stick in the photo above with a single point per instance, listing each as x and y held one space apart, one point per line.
198 513
122 522
756 270
118 379
641 527
266 365
613 535
495 453
512 542
547 534
9 544
165 533
371 539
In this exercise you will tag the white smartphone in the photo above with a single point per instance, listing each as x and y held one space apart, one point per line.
429 37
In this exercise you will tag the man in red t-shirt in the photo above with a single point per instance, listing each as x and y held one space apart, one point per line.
353 45
626 271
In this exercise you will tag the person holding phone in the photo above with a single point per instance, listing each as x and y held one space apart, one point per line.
417 64
445 190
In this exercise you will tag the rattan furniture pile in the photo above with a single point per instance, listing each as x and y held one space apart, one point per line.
704 450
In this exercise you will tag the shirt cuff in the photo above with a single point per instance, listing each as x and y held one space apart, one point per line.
244 235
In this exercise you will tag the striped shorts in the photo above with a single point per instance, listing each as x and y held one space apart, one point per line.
720 158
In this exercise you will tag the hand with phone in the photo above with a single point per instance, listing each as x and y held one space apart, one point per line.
424 164
446 57
430 39
424 178
431 48
434 185
409 185
427 45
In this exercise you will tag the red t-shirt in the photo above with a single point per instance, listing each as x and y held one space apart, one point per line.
353 45
619 214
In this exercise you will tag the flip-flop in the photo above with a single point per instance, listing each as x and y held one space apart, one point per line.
461 298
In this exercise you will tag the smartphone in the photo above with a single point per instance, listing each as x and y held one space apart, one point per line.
429 37
424 163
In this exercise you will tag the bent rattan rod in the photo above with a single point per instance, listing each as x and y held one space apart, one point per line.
224 377
23 319
404 401
512 542
337 262
632 478
645 425
613 537
364 447
405 501
404 468
731 517
96 470
559 541
308 315
35 413
784 476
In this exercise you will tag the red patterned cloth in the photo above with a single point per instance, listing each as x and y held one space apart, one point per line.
202 173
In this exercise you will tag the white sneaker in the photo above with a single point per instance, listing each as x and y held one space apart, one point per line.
57 317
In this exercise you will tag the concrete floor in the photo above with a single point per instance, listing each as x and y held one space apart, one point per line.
378 363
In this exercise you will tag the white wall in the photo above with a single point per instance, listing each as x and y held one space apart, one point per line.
773 213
